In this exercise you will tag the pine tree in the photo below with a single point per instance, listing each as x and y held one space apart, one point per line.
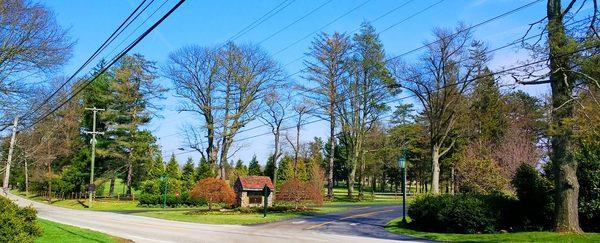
286 169
203 170
156 168
270 168
254 167
188 178
173 169
240 168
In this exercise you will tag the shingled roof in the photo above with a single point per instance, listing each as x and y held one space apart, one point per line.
253 183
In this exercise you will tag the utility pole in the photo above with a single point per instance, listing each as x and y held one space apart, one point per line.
91 187
10 152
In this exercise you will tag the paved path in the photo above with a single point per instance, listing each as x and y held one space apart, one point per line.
361 225
366 221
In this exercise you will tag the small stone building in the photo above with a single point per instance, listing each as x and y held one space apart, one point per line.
249 191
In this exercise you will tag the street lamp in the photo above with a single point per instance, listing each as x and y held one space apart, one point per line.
402 165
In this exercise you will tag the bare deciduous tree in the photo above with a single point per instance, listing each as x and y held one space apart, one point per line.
276 106
194 71
326 71
301 109
31 42
439 81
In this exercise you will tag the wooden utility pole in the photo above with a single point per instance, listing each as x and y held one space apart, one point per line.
91 186
10 153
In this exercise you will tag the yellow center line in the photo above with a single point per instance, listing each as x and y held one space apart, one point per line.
348 217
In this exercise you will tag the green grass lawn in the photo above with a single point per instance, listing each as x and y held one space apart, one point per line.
55 232
396 227
233 217
341 199
120 188
218 218
340 203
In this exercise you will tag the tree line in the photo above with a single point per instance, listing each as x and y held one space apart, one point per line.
461 127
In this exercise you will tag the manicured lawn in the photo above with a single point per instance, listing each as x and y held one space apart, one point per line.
218 218
112 205
232 217
341 199
55 232
396 227
120 188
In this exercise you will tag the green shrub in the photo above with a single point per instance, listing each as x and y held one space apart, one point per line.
461 213
173 201
17 224
536 201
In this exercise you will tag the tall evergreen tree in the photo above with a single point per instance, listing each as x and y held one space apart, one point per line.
173 169
254 167
270 168
188 176
240 168
204 170
363 97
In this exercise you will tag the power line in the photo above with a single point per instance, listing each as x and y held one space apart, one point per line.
138 26
411 16
294 22
106 42
114 60
375 20
326 25
395 57
261 20
505 14
411 96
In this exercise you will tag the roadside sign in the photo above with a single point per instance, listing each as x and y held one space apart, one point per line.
91 187
266 193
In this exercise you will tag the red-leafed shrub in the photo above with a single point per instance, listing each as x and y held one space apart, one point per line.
213 190
299 192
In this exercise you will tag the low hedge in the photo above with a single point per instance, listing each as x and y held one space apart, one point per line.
461 213
17 224
173 201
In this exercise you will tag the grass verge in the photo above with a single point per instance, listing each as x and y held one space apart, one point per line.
397 227
233 217
55 232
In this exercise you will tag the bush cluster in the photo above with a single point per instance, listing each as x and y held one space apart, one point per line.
18 224
462 213
173 201
479 213
535 208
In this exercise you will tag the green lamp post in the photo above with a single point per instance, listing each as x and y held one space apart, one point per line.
163 180
402 165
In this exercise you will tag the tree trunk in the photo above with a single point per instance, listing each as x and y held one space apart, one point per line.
297 150
452 181
223 160
275 157
26 179
49 184
111 189
351 175
564 164
361 190
435 168
331 155
129 176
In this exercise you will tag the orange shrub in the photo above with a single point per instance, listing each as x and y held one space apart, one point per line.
213 190
299 192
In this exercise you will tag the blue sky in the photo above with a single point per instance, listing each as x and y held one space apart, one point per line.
210 23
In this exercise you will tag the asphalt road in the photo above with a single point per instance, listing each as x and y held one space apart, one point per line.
363 224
